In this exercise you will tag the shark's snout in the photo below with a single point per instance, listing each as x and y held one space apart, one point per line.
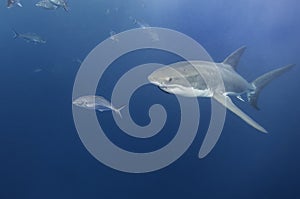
77 102
152 79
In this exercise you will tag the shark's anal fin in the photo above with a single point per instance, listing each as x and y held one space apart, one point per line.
226 101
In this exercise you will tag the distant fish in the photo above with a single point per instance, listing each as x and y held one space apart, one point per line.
38 70
77 60
111 11
96 103
140 24
11 3
46 4
29 37
60 3
113 36
154 36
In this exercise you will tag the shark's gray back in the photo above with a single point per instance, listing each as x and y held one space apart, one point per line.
206 75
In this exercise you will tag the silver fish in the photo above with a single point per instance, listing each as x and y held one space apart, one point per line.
46 4
11 3
98 103
113 36
60 3
29 37
154 36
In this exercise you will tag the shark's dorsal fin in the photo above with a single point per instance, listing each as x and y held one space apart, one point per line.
234 58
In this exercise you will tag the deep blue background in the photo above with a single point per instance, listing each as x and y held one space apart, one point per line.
41 154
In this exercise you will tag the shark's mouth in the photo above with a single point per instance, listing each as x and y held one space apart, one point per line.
186 91
169 86
166 88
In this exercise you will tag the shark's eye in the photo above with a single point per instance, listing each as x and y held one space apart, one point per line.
169 79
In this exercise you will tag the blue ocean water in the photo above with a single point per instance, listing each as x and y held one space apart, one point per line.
41 153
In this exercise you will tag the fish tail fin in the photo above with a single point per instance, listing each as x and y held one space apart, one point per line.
9 4
19 4
118 110
16 34
66 7
263 81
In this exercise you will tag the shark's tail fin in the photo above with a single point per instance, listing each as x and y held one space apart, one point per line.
16 35
118 110
263 81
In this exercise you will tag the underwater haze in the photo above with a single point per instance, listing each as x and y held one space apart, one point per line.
41 153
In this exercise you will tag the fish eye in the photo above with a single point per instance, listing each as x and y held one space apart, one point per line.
80 103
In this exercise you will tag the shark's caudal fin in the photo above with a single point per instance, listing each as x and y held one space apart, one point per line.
118 110
16 35
234 58
263 81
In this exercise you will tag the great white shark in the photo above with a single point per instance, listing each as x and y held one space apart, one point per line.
219 81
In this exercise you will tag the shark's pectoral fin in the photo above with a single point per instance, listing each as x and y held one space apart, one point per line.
226 101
